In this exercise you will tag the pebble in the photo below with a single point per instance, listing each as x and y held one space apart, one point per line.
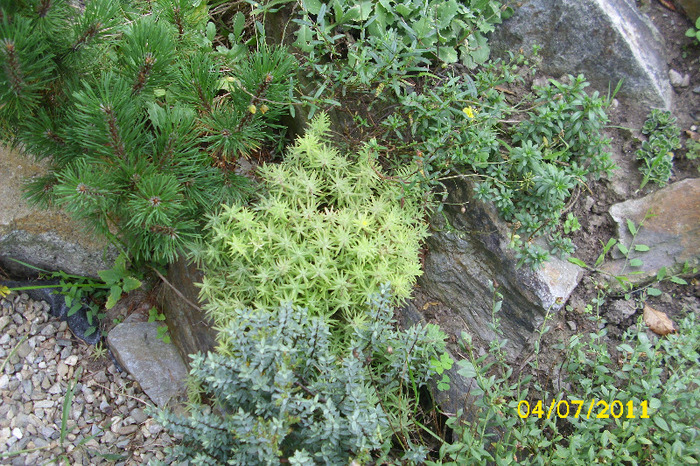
677 79
33 386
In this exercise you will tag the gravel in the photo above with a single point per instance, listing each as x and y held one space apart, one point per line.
39 359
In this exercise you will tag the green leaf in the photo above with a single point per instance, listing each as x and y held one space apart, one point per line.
130 283
623 249
466 369
631 227
636 263
610 244
115 292
641 247
658 420
653 291
312 6
678 280
600 260
447 54
238 24
578 262
109 276
661 274
211 31
304 37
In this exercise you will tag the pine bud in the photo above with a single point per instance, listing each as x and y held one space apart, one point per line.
263 109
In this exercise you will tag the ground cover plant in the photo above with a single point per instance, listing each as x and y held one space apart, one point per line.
140 120
656 153
652 388
283 395
327 229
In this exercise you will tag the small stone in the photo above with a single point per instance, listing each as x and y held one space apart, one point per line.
138 415
572 325
100 377
44 404
108 438
697 90
48 330
55 388
17 433
63 326
47 432
4 381
127 430
24 350
66 352
4 320
62 370
72 360
677 79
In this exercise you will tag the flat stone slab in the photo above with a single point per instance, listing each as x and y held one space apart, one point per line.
671 229
155 365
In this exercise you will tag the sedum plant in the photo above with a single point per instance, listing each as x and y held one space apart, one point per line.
656 154
280 395
139 119
325 231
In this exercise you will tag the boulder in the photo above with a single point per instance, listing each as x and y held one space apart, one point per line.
156 366
606 40
48 239
462 261
670 227
190 328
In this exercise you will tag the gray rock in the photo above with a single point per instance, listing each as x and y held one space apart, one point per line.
677 79
671 230
619 310
606 40
155 365
459 266
190 329
47 239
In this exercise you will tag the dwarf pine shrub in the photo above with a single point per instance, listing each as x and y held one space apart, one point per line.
140 120
281 396
325 231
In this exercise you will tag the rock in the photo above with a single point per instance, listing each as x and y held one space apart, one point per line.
459 266
156 366
671 230
696 90
190 329
606 40
677 79
619 310
47 239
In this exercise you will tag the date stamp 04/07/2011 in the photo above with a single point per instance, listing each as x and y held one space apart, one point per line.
597 409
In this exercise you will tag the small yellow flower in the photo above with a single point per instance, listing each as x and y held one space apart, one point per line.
252 109
469 111
4 291
264 108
